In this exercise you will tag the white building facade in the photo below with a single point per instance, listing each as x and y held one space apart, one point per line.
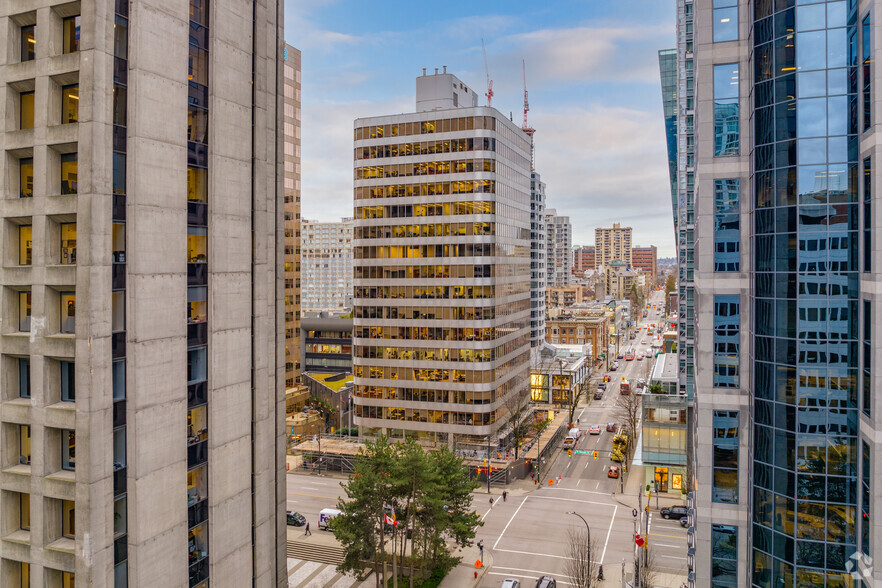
326 265
559 249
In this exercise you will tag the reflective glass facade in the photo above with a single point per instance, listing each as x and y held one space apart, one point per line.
727 334
806 293
667 65
727 225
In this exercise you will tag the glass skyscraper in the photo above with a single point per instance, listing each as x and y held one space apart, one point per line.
786 428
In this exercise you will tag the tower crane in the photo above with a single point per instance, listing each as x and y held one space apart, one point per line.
527 128
489 93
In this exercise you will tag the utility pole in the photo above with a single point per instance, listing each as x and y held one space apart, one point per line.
489 466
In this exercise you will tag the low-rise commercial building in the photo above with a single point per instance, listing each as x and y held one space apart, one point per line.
326 342
559 374
579 327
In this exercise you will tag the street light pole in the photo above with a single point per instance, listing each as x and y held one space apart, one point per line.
588 543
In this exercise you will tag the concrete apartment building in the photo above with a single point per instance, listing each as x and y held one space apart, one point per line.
611 245
559 248
292 125
645 259
788 454
619 279
566 297
326 265
538 260
583 261
579 327
142 363
442 247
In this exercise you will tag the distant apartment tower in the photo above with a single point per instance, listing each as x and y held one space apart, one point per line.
645 259
559 249
538 260
583 261
612 244
291 121
141 351
442 248
326 265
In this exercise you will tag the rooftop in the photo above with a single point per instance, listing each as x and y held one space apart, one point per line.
665 369
333 381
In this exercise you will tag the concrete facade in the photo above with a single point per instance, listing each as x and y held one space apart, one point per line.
538 260
645 259
291 131
559 249
106 474
612 244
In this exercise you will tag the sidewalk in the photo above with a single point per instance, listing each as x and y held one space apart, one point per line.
464 575
634 485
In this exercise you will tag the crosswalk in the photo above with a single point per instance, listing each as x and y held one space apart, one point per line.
312 574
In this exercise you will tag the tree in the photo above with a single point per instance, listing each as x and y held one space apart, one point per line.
647 570
670 286
517 404
627 410
582 555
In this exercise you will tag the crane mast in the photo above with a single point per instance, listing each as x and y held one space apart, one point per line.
489 93
527 128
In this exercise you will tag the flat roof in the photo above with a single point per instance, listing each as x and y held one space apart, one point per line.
666 368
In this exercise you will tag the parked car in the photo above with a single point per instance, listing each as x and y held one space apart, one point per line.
611 427
295 519
546 582
602 385
674 512
643 341
594 429
614 367
511 583
612 472
599 394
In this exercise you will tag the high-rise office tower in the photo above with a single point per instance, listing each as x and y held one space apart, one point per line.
558 249
787 462
327 265
442 258
141 354
538 260
291 121
612 245
667 64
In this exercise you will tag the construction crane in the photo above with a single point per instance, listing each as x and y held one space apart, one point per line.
489 93
527 128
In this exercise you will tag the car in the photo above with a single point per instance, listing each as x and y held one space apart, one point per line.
611 427
640 356
546 582
620 356
684 522
643 341
629 357
599 394
613 367
511 583
612 472
594 429
602 385
674 512
295 519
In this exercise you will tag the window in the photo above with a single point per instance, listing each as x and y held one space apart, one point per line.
727 331
24 377
25 574
68 449
724 556
725 20
28 43
24 511
119 379
26 113
118 242
71 26
868 215
197 184
68 312
119 106
68 243
119 173
196 304
118 311
727 226
68 580
196 365
26 177
70 104
726 124
68 519
68 382
119 448
197 125
867 384
24 312
197 238
865 498
120 519
198 66
867 50
69 173
121 37
725 468
25 244
24 444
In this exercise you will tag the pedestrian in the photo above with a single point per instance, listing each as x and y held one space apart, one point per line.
491 501
577 421
504 495
600 573
481 548
307 530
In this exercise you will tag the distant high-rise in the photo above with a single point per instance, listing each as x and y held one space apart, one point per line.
559 249
538 260
583 260
326 264
292 214
645 259
141 351
442 253
612 245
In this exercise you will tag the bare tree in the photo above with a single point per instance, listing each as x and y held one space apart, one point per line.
627 411
518 406
582 558
648 568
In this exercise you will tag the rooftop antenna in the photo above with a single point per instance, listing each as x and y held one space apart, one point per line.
527 128
489 93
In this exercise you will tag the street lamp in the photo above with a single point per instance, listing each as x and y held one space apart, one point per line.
588 543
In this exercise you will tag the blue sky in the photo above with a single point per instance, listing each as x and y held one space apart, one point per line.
592 76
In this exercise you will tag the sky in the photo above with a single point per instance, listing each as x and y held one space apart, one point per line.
592 76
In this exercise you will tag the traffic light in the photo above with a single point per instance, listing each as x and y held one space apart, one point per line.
570 453
596 455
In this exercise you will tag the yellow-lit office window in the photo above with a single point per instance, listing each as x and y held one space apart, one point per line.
71 27
24 511
197 184
70 104
68 519
197 245
25 244
26 177
68 312
25 575
24 444
68 580
68 243
69 173
26 114
28 43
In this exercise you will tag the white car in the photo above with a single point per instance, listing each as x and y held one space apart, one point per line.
594 430
511 583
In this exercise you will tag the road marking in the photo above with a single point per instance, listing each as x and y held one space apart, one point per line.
530 577
666 545
509 522
579 481
574 490
611 520
597 485
527 553
670 536
317 496
673 557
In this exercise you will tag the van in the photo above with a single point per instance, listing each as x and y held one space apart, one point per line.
326 516
575 432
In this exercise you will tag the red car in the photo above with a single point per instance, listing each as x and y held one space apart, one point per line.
611 427
629 357
613 472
